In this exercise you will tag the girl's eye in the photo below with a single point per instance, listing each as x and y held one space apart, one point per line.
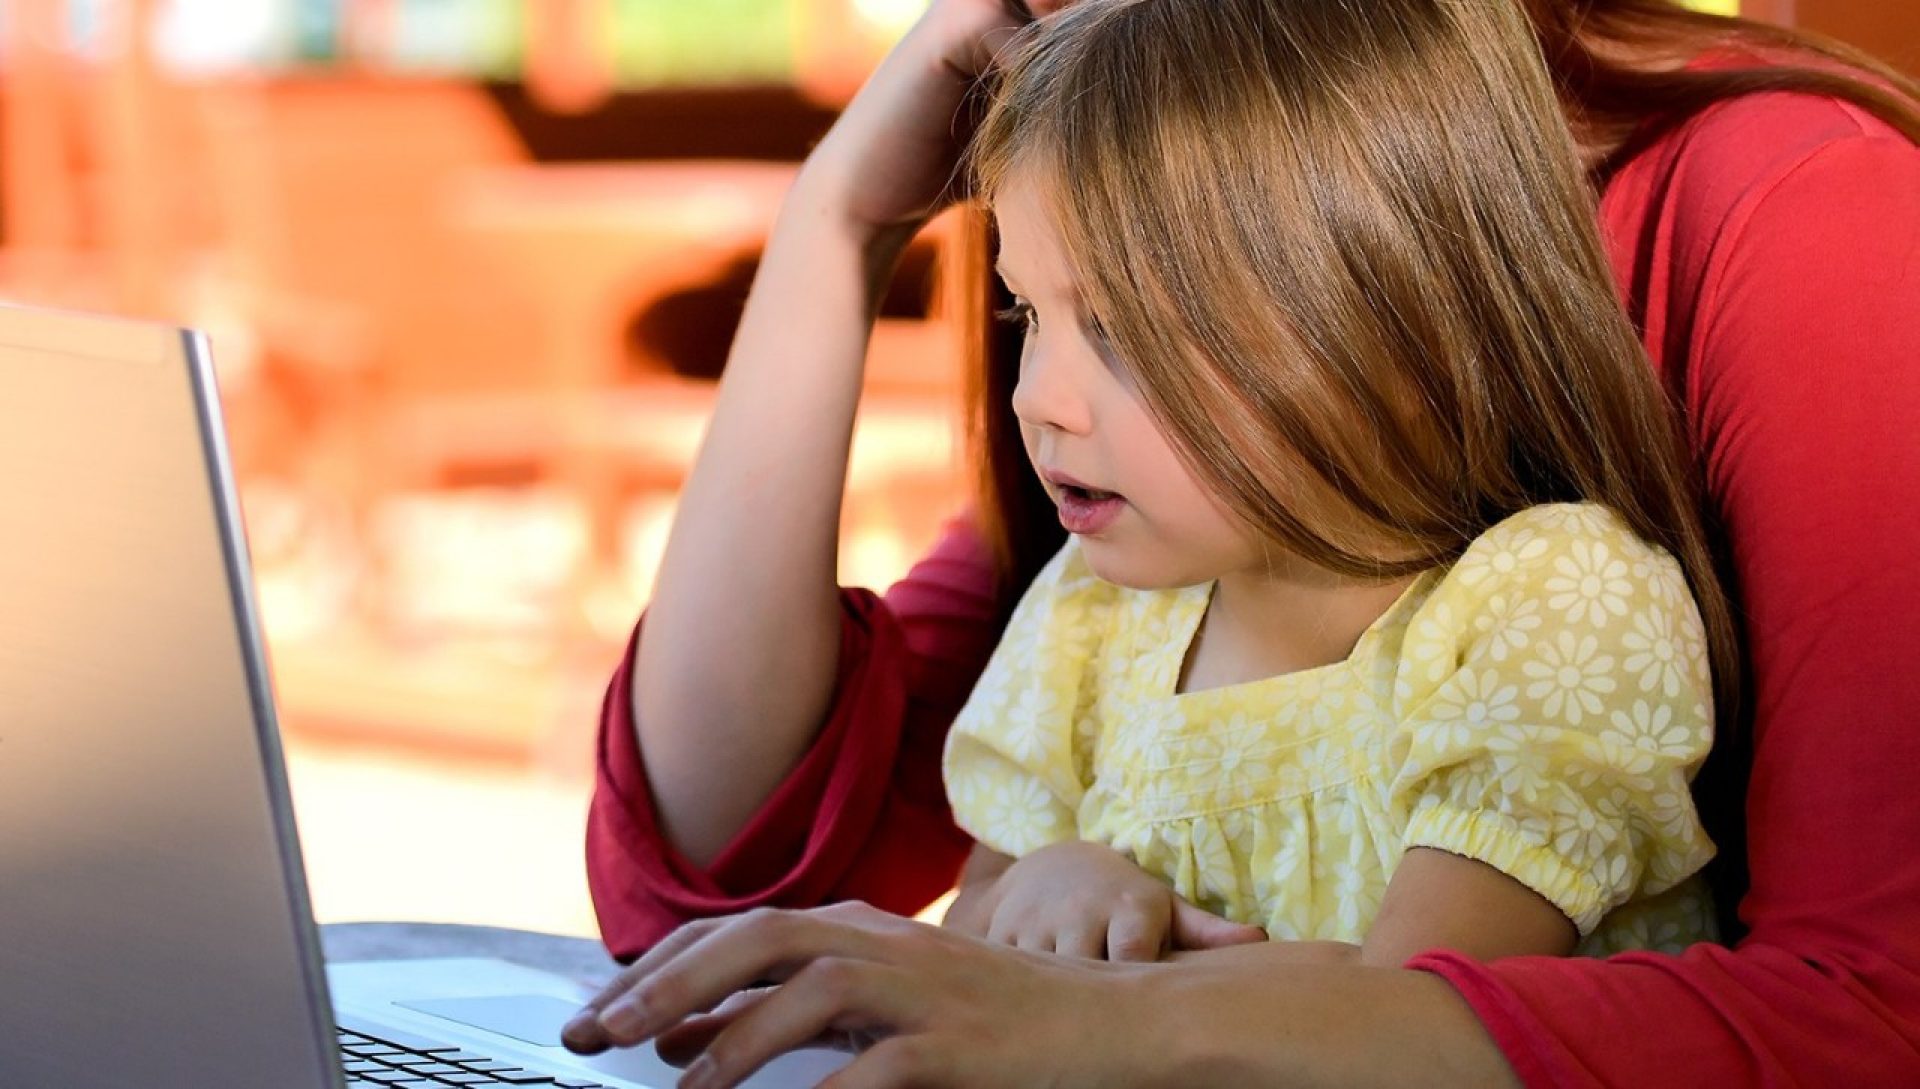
1021 314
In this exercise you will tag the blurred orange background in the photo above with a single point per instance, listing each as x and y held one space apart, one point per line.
470 268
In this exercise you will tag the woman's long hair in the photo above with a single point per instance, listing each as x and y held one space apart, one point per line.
1598 53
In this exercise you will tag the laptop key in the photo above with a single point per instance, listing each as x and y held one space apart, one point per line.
577 1083
400 1038
424 1064
460 1058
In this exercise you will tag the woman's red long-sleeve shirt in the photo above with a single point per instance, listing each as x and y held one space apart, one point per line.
1769 250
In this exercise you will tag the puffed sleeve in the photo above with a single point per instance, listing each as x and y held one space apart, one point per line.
1555 700
1015 764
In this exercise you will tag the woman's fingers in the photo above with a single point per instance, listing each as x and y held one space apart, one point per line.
684 1042
584 1034
893 1064
831 995
759 946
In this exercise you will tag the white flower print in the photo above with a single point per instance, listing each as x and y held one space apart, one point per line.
1570 675
1508 622
1234 763
1614 875
1018 815
1582 831
1522 766
1035 726
1652 728
1502 553
1354 893
1477 699
1657 651
1217 874
1576 519
1590 584
1659 578
1676 824
1432 645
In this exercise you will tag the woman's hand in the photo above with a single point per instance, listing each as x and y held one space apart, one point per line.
1087 900
890 160
931 1007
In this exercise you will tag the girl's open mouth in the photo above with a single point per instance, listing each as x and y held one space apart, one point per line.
1087 510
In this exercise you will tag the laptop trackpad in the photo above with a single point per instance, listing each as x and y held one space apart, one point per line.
530 1018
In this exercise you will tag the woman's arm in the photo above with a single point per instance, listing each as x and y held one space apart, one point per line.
953 1011
1799 307
735 671
862 815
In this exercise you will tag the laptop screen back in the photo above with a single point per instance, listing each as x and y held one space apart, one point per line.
153 918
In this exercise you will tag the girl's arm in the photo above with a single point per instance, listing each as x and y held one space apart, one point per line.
735 670
1438 900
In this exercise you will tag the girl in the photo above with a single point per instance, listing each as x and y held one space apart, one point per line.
1377 605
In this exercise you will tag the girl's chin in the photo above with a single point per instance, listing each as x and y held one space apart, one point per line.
1123 566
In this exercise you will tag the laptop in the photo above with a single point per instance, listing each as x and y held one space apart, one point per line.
155 929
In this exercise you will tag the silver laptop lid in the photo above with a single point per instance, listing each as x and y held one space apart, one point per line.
154 926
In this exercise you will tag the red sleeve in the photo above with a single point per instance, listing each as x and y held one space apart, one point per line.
862 817
1803 391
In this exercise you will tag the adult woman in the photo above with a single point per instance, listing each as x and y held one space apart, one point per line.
1769 250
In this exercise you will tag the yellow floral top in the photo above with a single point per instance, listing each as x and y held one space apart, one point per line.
1540 706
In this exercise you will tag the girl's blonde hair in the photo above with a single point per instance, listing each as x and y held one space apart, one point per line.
1348 253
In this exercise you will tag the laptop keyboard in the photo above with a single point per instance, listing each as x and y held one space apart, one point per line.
380 1056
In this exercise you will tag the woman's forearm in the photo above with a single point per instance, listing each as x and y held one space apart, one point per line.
1261 1015
735 667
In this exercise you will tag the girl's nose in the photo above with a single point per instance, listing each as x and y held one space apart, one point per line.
1048 394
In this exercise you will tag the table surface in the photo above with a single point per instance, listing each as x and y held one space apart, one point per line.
581 959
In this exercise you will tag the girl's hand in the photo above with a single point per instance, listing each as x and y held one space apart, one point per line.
890 160
928 1007
1087 900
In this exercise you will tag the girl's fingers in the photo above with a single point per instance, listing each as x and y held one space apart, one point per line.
1197 928
1135 935
829 995
1089 942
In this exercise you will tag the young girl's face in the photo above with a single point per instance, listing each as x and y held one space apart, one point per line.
1142 518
